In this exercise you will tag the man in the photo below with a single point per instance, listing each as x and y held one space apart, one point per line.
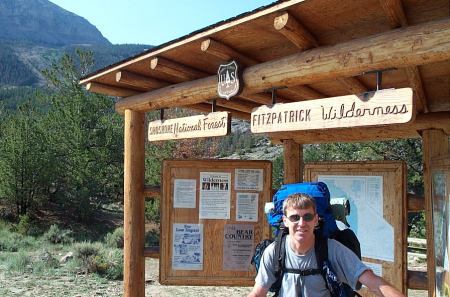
301 218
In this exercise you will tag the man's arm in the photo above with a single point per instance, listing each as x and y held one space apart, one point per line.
378 285
258 291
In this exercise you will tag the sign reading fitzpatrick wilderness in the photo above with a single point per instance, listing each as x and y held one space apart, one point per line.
213 124
228 81
391 106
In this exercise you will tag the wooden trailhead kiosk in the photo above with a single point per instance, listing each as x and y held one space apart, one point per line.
311 71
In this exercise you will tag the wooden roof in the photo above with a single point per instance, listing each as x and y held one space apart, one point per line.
310 49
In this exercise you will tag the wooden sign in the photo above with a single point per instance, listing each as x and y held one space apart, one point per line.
213 124
391 106
229 82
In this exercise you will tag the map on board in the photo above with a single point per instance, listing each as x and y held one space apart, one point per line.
365 194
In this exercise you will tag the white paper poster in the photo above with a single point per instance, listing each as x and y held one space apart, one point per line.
187 249
366 219
215 195
184 193
238 247
247 207
248 179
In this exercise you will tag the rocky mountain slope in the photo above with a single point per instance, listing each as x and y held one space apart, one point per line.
42 22
35 33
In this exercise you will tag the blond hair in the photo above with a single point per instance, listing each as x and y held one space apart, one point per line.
299 201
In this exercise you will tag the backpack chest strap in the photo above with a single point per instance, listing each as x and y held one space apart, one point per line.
304 272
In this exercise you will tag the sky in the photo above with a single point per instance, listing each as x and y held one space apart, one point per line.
154 22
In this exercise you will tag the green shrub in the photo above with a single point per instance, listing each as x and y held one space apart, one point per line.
115 239
114 269
152 213
24 224
152 238
13 242
85 254
95 258
56 235
44 262
18 262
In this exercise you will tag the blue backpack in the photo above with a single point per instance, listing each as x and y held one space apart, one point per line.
327 229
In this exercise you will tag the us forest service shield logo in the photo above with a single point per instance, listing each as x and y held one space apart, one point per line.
229 82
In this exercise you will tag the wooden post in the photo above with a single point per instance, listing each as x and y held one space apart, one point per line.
435 143
133 225
293 161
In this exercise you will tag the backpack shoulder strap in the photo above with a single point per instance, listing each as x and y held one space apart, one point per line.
321 251
280 255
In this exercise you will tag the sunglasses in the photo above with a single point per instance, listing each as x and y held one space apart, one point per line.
307 217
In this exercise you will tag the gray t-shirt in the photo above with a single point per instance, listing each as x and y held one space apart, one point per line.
345 263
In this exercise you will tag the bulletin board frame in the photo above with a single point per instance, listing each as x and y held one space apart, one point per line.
391 175
199 244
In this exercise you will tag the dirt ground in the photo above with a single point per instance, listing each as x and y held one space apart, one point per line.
24 285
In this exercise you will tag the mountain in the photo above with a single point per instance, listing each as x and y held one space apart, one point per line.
35 33
42 22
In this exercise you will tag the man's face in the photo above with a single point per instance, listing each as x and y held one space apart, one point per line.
301 223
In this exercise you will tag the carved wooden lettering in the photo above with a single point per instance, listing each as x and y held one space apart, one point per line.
213 124
391 106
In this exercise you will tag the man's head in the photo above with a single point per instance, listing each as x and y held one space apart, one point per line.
300 216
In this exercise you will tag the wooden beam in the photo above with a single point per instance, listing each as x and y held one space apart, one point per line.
437 120
206 107
110 90
175 69
134 221
224 52
238 105
417 280
151 252
422 44
304 92
295 32
434 144
139 81
262 98
352 85
293 161
150 191
415 81
393 9
416 203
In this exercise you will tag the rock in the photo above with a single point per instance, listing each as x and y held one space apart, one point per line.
66 257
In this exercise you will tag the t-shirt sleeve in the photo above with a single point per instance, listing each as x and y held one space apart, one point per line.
345 263
266 277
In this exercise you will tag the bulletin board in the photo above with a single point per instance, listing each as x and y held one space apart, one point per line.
212 217
378 211
440 174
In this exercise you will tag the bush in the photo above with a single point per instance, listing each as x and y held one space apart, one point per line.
115 239
152 210
114 270
55 235
85 254
95 258
24 224
13 242
44 262
152 238
18 262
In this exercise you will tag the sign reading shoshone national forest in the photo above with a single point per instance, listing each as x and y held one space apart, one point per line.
390 106
213 124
